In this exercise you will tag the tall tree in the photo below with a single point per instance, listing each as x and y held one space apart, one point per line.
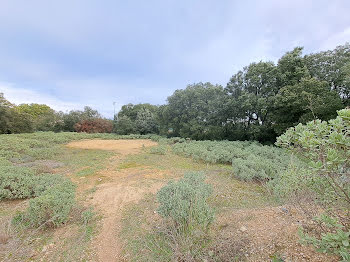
196 112
307 100
137 119
13 121
332 66
248 111
291 68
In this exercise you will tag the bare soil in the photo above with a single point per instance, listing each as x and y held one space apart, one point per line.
116 188
266 233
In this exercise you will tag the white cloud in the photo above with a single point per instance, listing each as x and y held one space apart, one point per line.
336 39
22 95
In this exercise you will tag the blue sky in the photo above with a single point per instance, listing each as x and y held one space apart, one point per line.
71 53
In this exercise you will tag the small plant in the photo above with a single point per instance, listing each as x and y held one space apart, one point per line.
51 208
335 241
87 216
185 202
158 150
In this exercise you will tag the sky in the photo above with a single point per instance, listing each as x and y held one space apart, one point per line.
72 53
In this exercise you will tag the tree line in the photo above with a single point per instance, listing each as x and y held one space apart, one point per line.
25 118
259 102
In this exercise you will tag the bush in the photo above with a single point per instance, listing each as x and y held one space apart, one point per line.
250 160
20 182
325 147
185 202
97 125
52 207
158 150
336 241
16 183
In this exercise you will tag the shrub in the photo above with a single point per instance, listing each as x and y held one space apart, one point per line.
97 125
255 167
250 160
52 207
20 182
185 202
325 147
336 241
159 150
16 182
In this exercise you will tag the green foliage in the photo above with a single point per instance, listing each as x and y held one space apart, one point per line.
249 160
146 122
137 119
124 126
307 100
248 108
335 241
333 66
20 182
13 121
87 216
185 202
195 112
44 118
52 207
326 148
159 150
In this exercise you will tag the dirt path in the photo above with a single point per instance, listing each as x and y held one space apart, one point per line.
118 188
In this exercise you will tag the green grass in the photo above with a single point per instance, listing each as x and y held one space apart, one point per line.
128 164
84 162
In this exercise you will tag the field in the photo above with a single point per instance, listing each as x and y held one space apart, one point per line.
113 214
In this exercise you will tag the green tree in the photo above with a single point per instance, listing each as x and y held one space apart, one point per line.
138 119
35 110
304 101
248 109
44 117
195 112
332 66
13 121
146 122
76 116
291 68
124 126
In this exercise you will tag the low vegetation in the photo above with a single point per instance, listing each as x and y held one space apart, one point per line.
325 146
249 160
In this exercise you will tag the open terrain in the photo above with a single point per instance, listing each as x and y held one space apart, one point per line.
118 179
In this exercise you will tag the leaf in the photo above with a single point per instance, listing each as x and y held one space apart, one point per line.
345 243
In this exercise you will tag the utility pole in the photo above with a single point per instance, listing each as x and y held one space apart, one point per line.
114 117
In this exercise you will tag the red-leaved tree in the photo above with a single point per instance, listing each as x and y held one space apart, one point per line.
97 125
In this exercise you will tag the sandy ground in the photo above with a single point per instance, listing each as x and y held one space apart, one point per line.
117 188
123 147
